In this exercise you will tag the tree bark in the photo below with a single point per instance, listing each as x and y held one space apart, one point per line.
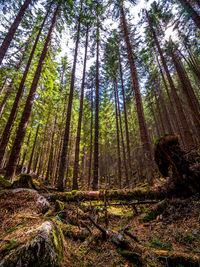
33 149
188 140
3 86
140 112
25 150
7 40
190 10
50 159
138 99
125 119
11 167
96 125
63 160
118 140
9 125
78 136
159 114
176 122
188 90
168 123
91 139
122 139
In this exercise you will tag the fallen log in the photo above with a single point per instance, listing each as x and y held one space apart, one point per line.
126 204
138 193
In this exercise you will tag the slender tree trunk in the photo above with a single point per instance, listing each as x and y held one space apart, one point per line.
91 139
176 122
63 160
25 150
96 125
43 142
36 159
165 111
158 132
33 149
122 139
3 86
189 92
140 112
118 140
8 91
60 144
190 10
159 114
138 99
12 82
125 120
10 171
188 140
9 125
12 30
50 160
78 136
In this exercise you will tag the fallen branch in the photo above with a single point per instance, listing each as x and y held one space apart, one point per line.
130 235
98 227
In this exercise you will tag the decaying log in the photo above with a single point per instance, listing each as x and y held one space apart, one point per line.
138 193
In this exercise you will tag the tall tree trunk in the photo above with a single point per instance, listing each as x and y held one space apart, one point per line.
10 170
125 120
36 159
50 159
96 125
33 149
63 160
122 139
7 40
12 82
167 119
118 140
9 125
5 98
43 142
188 140
78 136
176 122
140 112
3 86
190 10
91 139
158 131
134 75
189 92
159 114
25 150
60 144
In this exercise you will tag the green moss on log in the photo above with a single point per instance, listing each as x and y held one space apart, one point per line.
5 184
153 212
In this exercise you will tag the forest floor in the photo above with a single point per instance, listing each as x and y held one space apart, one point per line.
166 233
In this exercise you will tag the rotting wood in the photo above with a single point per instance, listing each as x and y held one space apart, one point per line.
126 204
